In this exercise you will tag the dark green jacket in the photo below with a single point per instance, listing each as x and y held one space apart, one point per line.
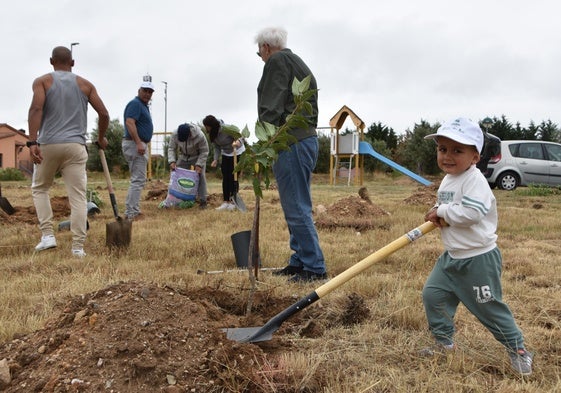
274 93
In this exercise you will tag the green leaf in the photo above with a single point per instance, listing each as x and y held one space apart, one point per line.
271 129
232 130
260 131
300 87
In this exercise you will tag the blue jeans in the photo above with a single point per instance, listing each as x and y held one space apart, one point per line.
293 173
137 167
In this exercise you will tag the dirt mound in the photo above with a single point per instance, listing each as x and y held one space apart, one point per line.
354 211
134 337
28 215
425 195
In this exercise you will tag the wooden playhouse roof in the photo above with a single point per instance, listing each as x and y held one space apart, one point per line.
338 120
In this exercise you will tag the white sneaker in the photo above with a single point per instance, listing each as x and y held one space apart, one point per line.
79 253
48 241
231 207
224 206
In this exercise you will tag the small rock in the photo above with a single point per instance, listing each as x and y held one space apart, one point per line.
171 379
93 319
144 293
5 377
80 314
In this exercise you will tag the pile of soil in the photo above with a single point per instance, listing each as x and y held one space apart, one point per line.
28 215
354 211
135 337
425 195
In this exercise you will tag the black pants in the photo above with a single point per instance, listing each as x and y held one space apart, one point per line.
227 168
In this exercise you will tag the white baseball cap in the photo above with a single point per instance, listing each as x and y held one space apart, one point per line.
461 130
147 85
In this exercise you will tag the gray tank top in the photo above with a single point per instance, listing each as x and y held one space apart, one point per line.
65 111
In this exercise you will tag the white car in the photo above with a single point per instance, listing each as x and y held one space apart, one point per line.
521 163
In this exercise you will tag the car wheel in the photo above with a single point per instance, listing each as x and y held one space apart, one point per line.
508 181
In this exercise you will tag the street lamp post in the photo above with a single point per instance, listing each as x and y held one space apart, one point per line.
72 45
165 107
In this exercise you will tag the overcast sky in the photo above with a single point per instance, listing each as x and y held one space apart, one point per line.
394 62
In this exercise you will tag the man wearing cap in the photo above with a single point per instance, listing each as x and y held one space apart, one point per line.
188 148
138 133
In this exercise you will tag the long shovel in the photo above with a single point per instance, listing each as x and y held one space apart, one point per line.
6 205
118 234
264 333
236 198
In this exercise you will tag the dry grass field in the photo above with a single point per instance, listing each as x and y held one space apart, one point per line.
147 320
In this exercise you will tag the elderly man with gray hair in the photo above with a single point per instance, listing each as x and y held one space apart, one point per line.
293 168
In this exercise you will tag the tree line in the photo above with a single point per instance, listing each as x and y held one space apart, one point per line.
409 149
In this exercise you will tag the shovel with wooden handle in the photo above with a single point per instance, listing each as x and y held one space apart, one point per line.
118 234
236 198
264 333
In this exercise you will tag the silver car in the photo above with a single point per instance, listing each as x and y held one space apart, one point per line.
521 163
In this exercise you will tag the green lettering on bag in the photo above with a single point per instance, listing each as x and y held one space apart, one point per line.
186 183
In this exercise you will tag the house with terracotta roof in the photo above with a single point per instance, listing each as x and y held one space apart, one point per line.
13 152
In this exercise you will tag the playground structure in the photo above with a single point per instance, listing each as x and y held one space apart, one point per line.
351 148
345 148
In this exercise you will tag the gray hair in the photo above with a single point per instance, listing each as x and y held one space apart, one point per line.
275 37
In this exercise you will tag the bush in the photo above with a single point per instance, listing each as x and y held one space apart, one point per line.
11 174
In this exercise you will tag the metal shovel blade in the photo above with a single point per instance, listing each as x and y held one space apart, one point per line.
118 233
245 334
6 205
265 333
238 201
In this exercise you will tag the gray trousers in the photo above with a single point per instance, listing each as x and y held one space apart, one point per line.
476 282
137 168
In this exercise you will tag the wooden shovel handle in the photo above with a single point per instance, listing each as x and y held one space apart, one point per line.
109 183
106 171
382 253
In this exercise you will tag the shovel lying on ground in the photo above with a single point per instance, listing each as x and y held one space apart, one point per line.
236 198
5 204
264 333
118 234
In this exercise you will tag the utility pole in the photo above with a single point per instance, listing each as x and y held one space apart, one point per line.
165 107
72 45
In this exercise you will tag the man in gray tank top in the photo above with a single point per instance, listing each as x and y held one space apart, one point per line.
57 141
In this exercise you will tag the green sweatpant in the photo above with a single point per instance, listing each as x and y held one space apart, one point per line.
476 282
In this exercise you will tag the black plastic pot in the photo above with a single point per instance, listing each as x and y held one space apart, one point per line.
240 243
